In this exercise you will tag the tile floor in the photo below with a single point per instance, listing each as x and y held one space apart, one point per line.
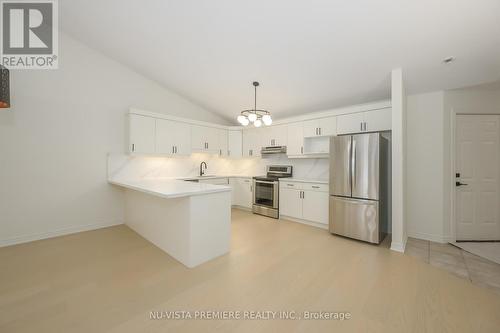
479 271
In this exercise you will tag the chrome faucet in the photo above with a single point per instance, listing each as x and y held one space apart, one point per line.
202 172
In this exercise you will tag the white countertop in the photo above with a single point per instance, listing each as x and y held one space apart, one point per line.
305 180
170 188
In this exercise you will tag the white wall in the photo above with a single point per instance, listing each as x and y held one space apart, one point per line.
398 100
55 138
425 166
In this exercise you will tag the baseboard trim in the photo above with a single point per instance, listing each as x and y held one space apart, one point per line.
55 233
430 237
399 247
242 208
312 224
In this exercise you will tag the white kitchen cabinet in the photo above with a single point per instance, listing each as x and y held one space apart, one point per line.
242 192
320 127
252 143
315 206
290 202
304 201
378 120
204 139
368 121
222 137
295 139
172 137
350 123
273 136
142 134
235 144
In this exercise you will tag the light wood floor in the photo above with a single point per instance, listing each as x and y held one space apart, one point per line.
109 280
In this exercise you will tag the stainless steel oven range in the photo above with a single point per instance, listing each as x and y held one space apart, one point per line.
266 190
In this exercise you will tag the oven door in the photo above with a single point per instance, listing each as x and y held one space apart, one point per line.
265 193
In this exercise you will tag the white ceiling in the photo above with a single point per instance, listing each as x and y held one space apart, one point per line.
308 55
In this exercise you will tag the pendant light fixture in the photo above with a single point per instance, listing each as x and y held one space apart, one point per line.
4 88
255 116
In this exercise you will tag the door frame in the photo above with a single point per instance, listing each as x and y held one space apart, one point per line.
453 195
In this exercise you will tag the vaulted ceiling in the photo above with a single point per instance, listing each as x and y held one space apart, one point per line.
309 55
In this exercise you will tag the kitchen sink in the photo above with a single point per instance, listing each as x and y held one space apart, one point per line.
196 179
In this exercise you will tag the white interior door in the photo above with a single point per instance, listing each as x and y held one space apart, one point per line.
478 169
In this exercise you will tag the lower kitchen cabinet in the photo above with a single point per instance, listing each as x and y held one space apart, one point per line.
315 206
290 202
241 192
304 201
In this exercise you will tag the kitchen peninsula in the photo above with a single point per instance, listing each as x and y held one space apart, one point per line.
189 221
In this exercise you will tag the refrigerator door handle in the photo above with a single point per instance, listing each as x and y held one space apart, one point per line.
349 153
353 164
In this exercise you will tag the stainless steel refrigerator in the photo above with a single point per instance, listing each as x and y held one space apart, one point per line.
359 186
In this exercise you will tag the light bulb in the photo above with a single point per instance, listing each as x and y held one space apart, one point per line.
267 120
241 119
252 117
245 122
258 123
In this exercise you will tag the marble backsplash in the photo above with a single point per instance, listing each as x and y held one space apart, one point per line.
137 167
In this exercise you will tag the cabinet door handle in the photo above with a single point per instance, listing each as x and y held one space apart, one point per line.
176 149
315 187
361 127
302 150
173 149
290 185
365 126
133 147
319 130
303 195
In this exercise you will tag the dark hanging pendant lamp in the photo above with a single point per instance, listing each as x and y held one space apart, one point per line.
4 88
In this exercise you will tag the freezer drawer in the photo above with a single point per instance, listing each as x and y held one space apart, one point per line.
358 219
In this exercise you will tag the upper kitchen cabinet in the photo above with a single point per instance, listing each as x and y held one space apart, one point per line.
274 136
378 120
235 144
295 139
350 123
252 142
204 139
320 127
368 121
223 142
172 137
141 134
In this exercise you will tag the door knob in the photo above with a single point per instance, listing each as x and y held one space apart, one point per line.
460 184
